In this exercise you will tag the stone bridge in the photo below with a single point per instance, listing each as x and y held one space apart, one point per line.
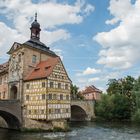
82 110
10 111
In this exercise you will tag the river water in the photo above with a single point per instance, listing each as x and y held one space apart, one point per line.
81 131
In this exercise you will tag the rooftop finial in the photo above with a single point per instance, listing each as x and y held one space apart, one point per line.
36 16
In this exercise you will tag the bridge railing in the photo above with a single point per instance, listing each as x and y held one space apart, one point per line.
10 101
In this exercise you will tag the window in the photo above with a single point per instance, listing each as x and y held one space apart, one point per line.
67 110
0 80
66 86
57 111
51 85
61 96
35 111
34 58
67 97
3 94
59 85
50 111
27 97
54 96
42 111
43 96
27 86
5 79
29 112
43 84
19 58
50 96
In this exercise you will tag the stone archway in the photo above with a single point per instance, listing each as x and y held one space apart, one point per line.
10 111
78 114
13 92
11 120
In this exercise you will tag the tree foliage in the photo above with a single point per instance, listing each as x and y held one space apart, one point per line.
121 99
113 107
136 98
75 94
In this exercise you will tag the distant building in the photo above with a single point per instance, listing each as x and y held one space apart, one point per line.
91 93
36 76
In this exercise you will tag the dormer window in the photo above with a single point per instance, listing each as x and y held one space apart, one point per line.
36 69
47 67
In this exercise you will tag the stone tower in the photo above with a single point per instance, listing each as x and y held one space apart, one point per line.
23 58
35 29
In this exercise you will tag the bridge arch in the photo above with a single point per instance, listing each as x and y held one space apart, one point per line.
78 113
82 110
12 121
10 111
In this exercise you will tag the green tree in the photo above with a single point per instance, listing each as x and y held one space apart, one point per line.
114 87
136 99
74 91
113 107
121 107
121 86
103 108
127 86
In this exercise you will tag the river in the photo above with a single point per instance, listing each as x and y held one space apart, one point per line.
81 131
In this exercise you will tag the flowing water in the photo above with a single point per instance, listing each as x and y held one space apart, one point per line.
81 131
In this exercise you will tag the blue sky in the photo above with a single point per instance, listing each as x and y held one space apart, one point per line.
96 39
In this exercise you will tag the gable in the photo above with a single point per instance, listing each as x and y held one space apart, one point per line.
59 72
14 47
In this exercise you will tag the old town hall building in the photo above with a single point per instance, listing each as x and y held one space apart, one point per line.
36 76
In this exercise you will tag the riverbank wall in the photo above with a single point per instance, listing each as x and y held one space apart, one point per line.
36 125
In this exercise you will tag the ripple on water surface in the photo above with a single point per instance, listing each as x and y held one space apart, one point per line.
81 131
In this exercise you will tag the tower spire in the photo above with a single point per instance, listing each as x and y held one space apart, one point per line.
35 29
36 16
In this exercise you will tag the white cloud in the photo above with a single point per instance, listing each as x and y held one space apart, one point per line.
93 79
51 15
89 71
111 75
119 9
54 36
7 36
89 8
120 46
59 53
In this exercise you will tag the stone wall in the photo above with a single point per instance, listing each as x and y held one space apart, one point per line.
4 86
28 65
3 124
30 124
34 124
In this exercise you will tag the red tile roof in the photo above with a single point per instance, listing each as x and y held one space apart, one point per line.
91 89
43 69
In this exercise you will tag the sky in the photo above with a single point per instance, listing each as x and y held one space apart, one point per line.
97 40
